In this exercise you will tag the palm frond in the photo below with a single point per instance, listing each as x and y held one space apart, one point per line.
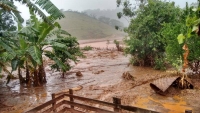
7 48
58 32
48 6
51 9
35 53
18 18
28 32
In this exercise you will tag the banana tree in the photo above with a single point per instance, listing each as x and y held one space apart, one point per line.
6 53
65 50
32 39
36 6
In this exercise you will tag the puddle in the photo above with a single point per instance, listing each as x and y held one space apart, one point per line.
170 104
178 107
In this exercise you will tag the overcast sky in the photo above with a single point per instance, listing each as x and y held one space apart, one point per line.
80 5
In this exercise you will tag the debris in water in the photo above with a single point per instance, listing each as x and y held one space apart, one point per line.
161 85
79 74
127 76
98 72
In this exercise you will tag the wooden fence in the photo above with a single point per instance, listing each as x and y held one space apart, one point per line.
60 105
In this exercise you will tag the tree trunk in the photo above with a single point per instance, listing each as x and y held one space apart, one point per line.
21 79
36 79
42 74
63 74
27 73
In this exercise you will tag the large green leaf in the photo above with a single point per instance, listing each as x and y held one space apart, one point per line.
56 24
8 48
34 19
195 28
28 32
60 64
14 64
23 44
58 32
180 38
45 30
36 54
58 45
67 53
48 6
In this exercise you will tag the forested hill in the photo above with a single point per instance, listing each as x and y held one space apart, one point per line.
83 26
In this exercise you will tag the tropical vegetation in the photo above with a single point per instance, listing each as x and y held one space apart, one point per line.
24 47
153 32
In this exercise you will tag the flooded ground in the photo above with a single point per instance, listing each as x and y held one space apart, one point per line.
102 79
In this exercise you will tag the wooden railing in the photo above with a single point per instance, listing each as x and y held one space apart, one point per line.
60 105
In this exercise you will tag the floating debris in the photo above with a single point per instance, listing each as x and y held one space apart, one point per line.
79 74
161 85
98 72
127 76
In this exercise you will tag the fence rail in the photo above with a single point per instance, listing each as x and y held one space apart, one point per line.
59 101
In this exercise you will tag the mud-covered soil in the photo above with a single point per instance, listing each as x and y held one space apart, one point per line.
102 79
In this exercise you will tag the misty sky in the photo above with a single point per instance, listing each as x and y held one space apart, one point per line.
80 5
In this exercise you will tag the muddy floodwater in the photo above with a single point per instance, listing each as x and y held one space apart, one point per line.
102 79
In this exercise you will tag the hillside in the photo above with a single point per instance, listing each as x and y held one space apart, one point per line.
109 13
85 27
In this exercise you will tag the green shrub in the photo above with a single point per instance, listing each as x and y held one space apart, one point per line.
160 64
147 43
87 48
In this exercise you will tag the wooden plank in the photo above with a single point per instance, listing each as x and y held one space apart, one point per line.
117 102
71 98
91 100
55 107
54 103
45 104
69 109
48 110
63 110
128 108
188 111
88 107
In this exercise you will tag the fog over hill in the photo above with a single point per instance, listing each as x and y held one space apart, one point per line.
109 13
83 26
84 5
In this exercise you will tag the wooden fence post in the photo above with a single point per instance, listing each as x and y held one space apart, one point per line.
188 111
117 102
53 105
71 98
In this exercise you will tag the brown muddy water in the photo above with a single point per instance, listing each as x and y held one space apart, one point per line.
103 44
102 79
